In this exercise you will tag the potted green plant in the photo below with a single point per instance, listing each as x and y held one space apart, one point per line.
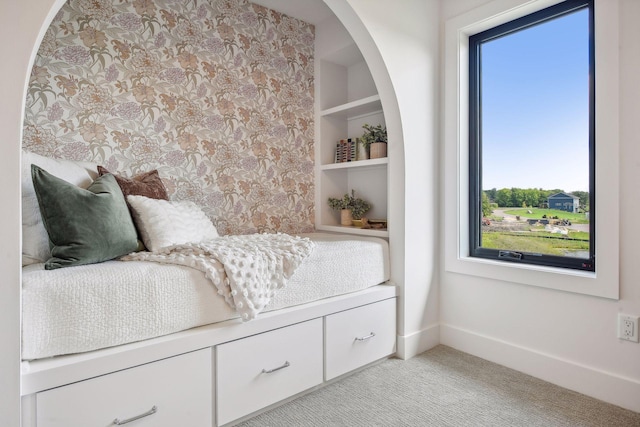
351 207
375 140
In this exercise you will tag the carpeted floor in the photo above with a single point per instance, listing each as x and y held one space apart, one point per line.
444 387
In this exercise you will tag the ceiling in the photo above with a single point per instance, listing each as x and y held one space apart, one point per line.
312 11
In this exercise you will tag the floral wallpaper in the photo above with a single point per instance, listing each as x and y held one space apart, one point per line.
215 94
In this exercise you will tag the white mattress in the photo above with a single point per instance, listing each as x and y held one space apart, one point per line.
77 309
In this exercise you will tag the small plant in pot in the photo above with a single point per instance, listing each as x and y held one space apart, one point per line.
375 140
351 207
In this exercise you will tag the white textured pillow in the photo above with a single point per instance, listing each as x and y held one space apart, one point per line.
35 240
163 223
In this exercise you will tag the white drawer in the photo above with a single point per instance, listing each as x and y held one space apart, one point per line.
359 336
181 389
243 384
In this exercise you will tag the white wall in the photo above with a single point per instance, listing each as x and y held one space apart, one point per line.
565 338
22 26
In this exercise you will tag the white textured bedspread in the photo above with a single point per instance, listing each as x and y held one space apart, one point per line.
246 270
77 309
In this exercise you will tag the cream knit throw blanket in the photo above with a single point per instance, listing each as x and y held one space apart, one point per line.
247 270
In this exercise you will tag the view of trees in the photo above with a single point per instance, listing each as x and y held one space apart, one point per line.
486 204
531 197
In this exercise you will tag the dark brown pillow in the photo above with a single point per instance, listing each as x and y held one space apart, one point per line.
146 184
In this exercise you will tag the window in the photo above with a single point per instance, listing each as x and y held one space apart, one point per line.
532 139
603 280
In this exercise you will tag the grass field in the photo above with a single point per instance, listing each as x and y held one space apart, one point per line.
537 242
520 237
537 213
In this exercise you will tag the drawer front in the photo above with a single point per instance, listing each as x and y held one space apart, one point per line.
180 388
260 370
359 336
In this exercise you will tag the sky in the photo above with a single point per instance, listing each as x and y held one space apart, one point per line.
535 112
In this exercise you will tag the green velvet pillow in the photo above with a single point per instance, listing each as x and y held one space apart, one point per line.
84 226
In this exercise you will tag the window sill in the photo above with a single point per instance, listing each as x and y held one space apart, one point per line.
562 279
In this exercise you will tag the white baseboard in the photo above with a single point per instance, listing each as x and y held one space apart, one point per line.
417 342
590 381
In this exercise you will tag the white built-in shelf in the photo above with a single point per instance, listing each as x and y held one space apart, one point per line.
360 107
347 99
356 164
354 230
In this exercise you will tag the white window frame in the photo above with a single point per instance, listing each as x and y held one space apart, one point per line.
604 282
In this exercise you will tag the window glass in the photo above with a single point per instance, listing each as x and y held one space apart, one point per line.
531 139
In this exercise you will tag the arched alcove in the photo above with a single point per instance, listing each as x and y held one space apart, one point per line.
23 25
27 23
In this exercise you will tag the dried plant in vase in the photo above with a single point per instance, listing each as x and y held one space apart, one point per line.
351 207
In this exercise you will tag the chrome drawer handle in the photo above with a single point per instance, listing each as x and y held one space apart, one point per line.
268 371
137 417
368 337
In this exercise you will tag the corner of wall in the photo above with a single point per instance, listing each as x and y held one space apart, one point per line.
415 343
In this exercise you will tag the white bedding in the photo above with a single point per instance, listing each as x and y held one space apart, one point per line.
247 270
85 308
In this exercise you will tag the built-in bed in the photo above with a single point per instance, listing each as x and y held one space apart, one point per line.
157 343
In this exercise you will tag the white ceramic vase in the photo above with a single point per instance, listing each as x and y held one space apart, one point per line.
361 151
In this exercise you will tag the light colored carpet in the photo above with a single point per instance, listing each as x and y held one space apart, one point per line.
444 387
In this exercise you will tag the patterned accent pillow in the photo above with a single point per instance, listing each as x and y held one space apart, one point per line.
148 184
162 223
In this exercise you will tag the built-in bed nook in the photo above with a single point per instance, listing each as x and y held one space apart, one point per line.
247 320
176 263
